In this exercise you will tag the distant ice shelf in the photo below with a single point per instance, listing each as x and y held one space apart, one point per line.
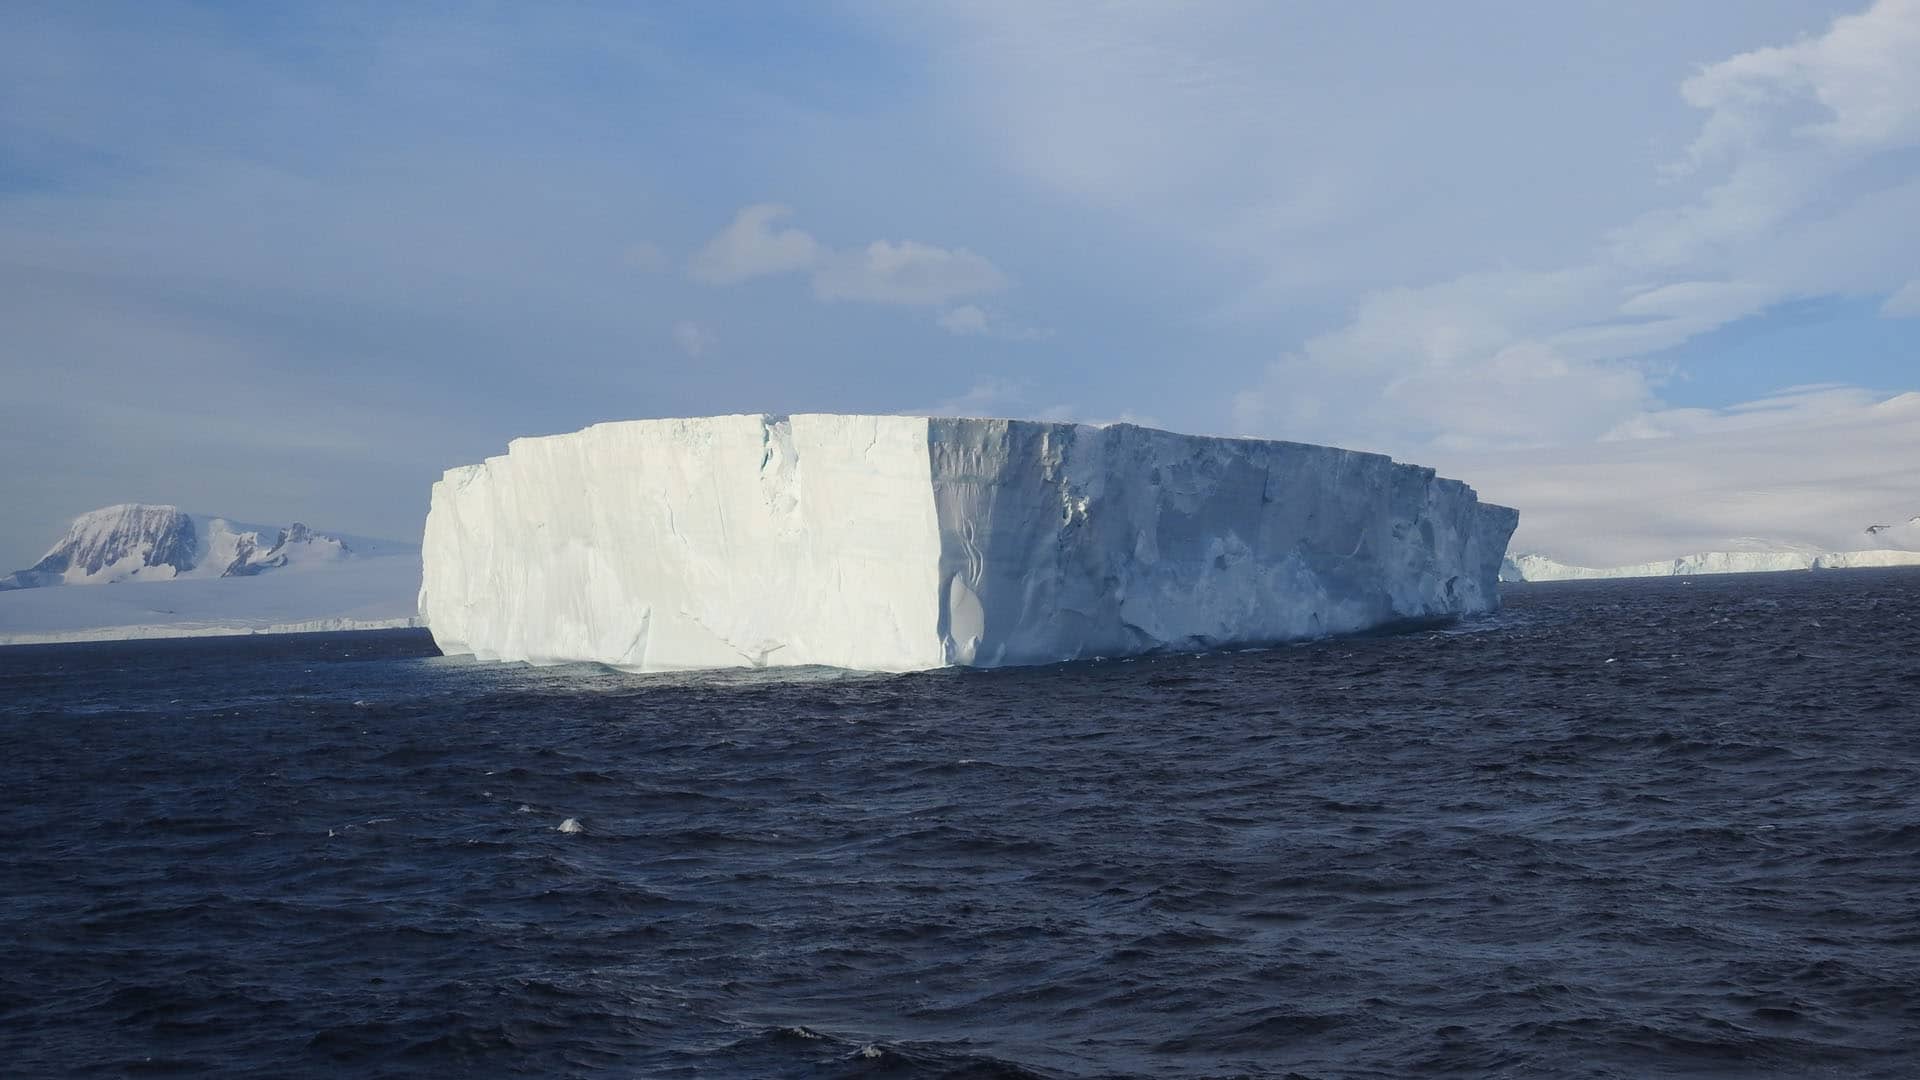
360 594
1540 568
897 543
217 628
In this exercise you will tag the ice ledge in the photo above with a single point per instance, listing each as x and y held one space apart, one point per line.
901 543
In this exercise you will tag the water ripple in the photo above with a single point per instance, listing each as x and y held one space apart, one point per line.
1620 830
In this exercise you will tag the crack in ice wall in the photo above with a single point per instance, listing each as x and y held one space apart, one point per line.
901 543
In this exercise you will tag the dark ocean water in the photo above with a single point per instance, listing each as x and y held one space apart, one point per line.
1641 829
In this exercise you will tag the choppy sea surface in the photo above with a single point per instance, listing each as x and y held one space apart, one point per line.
1622 829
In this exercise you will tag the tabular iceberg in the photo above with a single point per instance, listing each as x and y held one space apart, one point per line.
898 543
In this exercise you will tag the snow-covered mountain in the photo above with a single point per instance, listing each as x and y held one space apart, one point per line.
177 574
294 546
115 543
143 542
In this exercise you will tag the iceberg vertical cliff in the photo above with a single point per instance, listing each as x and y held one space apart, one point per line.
897 543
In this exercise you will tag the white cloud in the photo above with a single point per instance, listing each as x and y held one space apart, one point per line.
692 338
752 246
1788 125
1464 363
1905 303
972 320
908 272
1210 126
964 321
1794 405
1810 469
1805 195
1792 180
1861 73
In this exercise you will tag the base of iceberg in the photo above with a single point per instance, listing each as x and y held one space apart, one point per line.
898 543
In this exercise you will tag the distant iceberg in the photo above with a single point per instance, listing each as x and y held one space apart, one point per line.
897 543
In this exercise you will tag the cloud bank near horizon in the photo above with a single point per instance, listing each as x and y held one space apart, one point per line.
1808 471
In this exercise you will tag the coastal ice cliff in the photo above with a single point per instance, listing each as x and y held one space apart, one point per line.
897 543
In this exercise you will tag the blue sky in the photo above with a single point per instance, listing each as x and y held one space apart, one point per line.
280 260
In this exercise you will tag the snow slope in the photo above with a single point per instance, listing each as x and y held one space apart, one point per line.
115 543
359 594
1541 568
900 543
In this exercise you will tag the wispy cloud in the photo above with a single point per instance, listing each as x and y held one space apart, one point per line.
1801 148
972 320
1811 470
906 272
1904 303
967 320
692 338
753 246
1497 299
